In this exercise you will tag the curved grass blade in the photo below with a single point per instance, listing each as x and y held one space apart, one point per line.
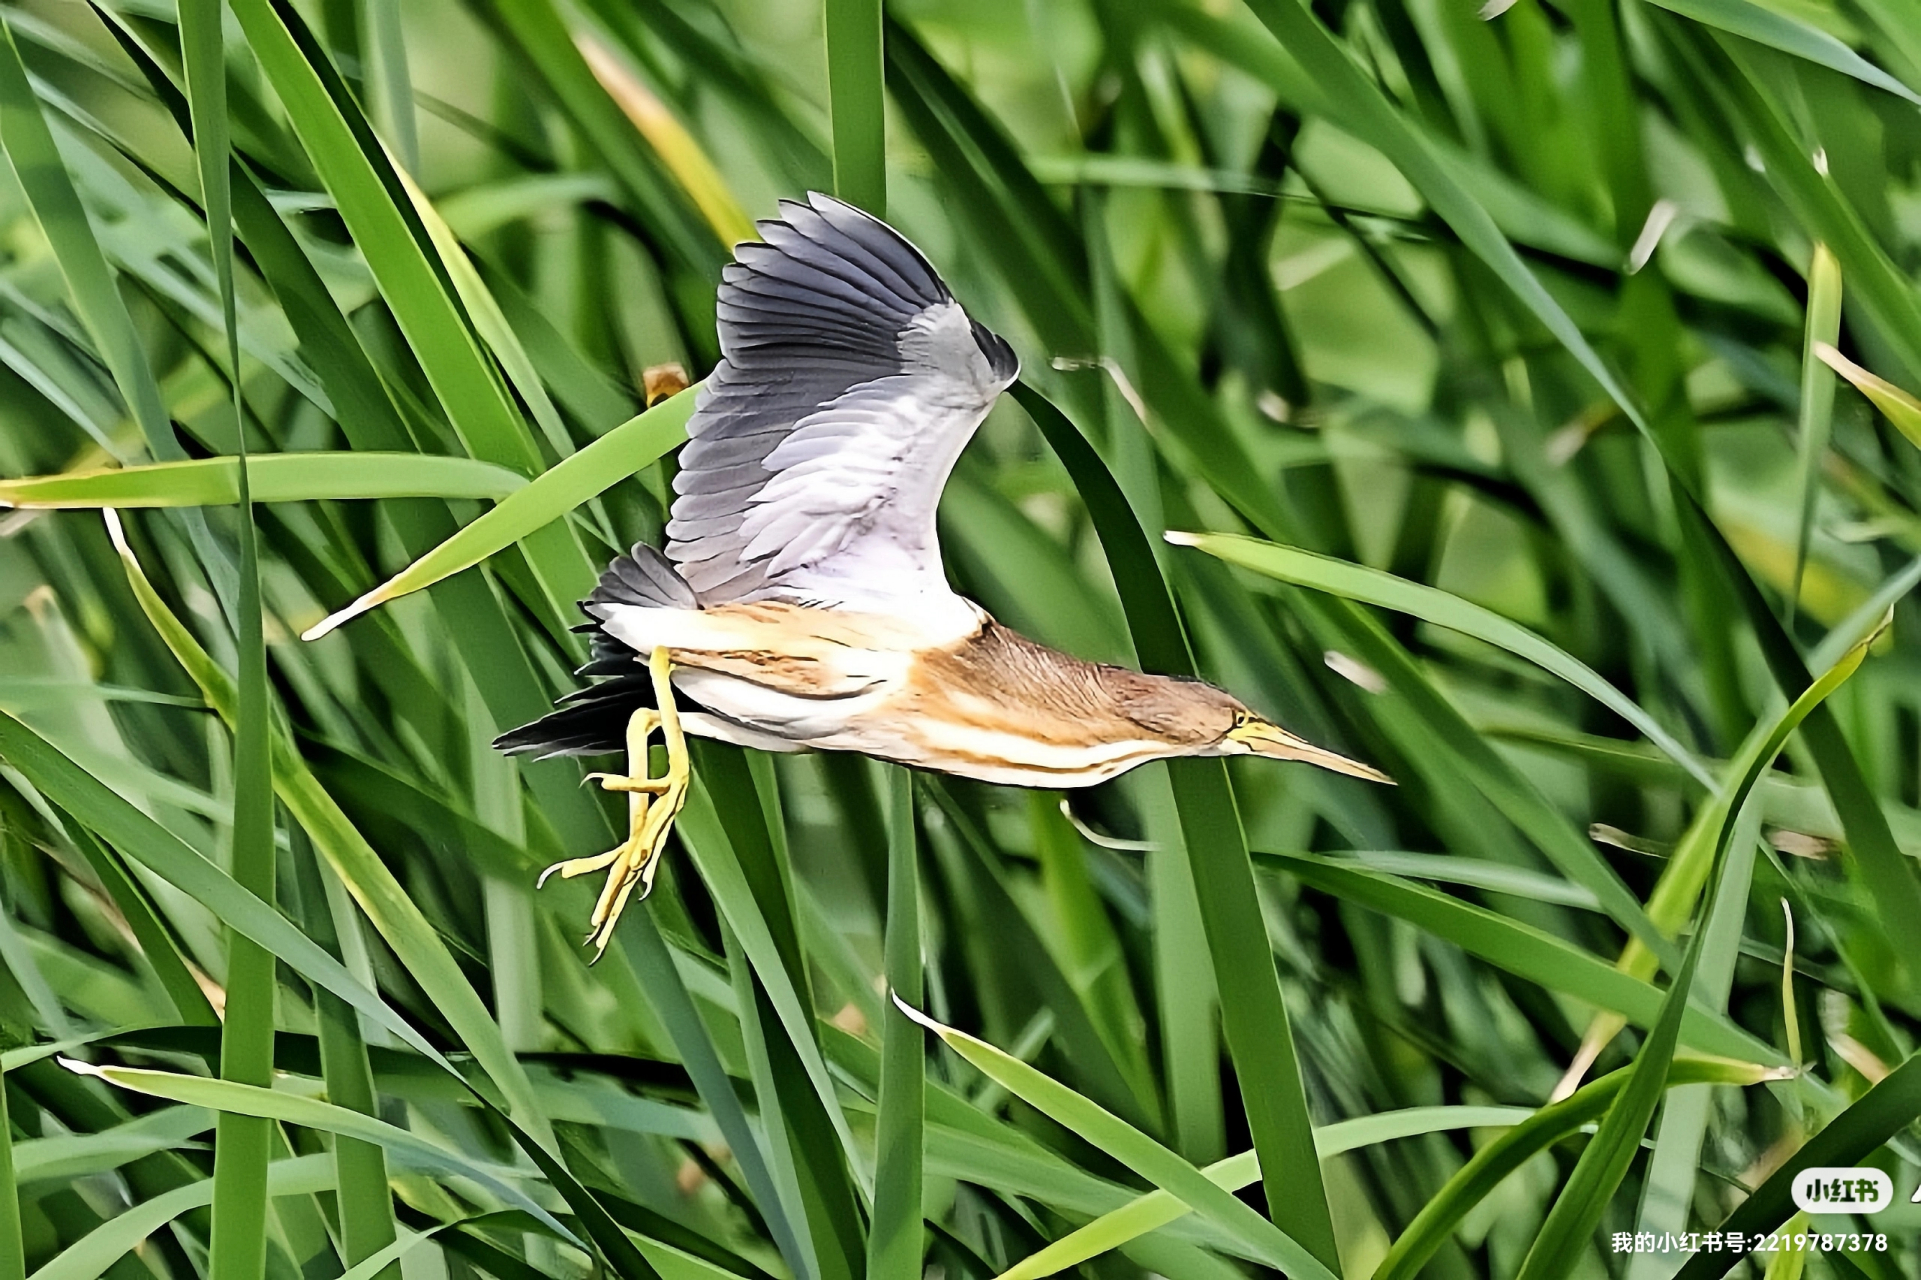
540 34
94 1254
1520 949
725 872
139 837
1476 1179
277 477
1515 796
1373 586
42 173
1779 31
1157 1208
1133 1149
670 140
593 470
1847 1140
350 162
392 911
1363 108
1253 1011
312 1113
1479 873
646 952
1899 407
385 1262
1563 1238
489 322
157 945
373 203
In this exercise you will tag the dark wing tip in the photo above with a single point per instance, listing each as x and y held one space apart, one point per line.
1000 355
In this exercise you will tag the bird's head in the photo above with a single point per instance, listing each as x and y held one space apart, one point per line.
1252 733
1197 719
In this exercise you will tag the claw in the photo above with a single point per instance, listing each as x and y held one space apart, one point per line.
652 805
577 867
621 782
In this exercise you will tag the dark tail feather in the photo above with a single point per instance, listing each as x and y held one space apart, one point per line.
590 721
593 720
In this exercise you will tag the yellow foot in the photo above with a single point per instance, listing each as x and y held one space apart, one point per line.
652 805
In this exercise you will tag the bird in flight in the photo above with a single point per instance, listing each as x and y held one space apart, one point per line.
801 603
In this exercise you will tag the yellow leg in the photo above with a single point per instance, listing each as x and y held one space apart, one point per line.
652 805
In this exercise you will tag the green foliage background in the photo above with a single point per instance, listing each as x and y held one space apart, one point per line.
1492 345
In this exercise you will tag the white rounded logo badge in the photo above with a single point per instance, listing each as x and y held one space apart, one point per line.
1831 1190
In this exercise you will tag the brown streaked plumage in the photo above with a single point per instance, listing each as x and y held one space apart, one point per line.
801 602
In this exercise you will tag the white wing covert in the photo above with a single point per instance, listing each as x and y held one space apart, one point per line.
849 382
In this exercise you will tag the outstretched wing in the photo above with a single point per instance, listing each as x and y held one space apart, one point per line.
849 383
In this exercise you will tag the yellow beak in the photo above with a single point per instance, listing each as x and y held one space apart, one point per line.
1265 738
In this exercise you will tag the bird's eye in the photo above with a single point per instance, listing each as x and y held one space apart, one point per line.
1240 718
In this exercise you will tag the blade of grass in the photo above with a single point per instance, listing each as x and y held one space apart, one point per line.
1564 1237
13 1247
895 1235
1513 795
281 477
372 202
43 176
1476 1179
363 1199
313 1113
1817 397
139 837
95 1254
725 873
676 147
1847 1140
1373 586
1898 406
1157 1209
646 952
487 318
1779 31
1253 1011
473 614
548 497
1132 1148
1673 1168
1521 949
856 107
392 88
157 945
541 36
392 911
242 1144
1075 1033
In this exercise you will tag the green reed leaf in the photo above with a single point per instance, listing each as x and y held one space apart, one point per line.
276 477
550 496
1372 586
1132 1148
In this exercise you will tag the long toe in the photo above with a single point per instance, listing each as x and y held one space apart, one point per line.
578 866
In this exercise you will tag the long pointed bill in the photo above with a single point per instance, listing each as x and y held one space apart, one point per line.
1267 739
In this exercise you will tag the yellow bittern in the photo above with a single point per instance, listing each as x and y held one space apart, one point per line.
801 603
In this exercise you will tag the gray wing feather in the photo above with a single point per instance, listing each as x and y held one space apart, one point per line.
849 382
